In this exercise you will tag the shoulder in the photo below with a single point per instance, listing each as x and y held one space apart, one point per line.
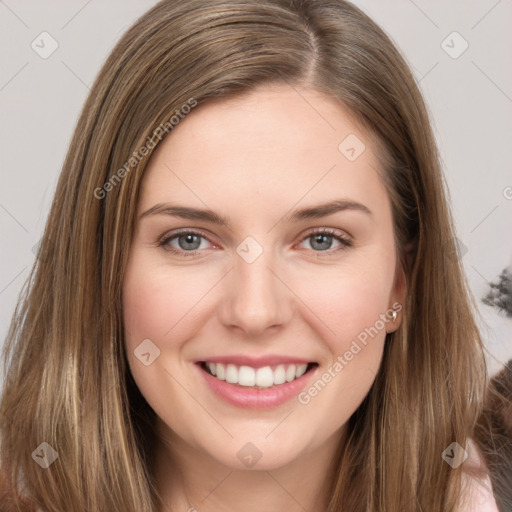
7 496
476 492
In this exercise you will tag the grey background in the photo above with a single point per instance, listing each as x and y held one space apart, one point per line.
469 97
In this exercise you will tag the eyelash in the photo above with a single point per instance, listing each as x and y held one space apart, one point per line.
345 241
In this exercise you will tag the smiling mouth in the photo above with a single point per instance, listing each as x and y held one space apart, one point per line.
257 378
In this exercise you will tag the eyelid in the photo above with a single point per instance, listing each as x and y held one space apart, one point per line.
168 236
345 239
341 236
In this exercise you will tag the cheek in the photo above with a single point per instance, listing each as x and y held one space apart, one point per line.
348 321
157 303
348 299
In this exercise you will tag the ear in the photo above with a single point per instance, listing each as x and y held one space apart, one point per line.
397 297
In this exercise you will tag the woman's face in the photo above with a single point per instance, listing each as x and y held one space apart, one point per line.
262 291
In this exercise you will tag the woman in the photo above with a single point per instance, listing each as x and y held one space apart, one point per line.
260 369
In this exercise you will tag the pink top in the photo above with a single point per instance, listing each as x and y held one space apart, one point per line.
480 497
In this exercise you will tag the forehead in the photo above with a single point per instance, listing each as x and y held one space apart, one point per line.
275 143
276 118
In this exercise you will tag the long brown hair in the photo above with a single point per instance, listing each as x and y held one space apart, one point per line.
67 380
494 434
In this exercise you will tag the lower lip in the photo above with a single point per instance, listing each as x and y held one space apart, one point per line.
251 398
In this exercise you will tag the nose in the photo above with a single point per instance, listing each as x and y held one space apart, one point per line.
256 297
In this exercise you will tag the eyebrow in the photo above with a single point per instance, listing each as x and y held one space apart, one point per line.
311 212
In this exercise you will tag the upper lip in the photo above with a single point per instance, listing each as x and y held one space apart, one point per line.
255 362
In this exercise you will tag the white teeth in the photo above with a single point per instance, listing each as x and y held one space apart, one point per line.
231 374
262 377
301 370
221 373
290 373
246 376
280 375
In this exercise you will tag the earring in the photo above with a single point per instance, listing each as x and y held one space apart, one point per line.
394 315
